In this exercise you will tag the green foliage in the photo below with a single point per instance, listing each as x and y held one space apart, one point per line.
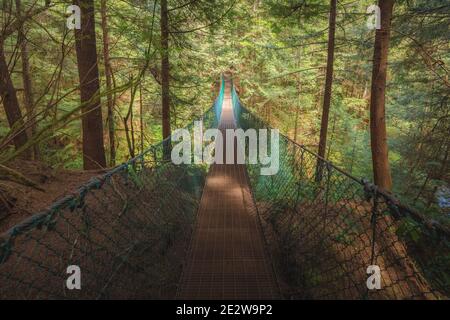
277 51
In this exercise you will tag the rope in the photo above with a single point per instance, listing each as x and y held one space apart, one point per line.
123 230
327 231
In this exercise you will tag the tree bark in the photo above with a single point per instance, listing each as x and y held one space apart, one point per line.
108 76
92 124
297 110
129 129
27 84
11 105
298 106
378 135
165 73
141 117
328 87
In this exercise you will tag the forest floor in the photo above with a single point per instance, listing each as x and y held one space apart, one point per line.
159 236
20 201
312 262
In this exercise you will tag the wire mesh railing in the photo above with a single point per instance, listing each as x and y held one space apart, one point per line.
219 102
325 233
127 231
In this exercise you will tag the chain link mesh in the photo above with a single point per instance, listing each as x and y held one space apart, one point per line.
127 230
325 228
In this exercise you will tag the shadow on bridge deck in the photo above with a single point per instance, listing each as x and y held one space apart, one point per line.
227 258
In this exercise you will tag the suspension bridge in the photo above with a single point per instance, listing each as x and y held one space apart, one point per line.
151 229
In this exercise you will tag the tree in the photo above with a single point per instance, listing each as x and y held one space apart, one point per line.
165 74
26 78
11 104
378 135
328 87
92 124
108 76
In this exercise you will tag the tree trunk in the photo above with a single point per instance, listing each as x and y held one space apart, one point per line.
297 110
378 136
27 84
93 148
11 105
141 117
165 73
129 133
108 76
328 87
297 113
298 106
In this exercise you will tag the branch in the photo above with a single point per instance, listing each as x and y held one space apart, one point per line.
183 5
208 25
13 27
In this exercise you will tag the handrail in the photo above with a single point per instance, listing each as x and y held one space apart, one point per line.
69 201
365 183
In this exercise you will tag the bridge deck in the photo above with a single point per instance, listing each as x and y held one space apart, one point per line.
227 259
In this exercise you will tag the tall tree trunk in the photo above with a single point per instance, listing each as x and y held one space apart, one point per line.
328 87
165 73
108 76
141 117
297 110
129 129
378 136
93 148
11 105
27 84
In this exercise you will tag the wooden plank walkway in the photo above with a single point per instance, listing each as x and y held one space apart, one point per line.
227 258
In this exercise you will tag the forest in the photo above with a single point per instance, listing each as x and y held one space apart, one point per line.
80 97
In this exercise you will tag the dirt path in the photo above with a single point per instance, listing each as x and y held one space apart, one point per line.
227 259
